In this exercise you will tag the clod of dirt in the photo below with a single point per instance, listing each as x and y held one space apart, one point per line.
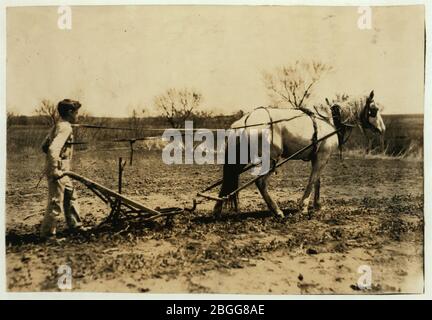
340 247
378 288
355 287
311 251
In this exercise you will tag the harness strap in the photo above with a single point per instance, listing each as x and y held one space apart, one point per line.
312 116
267 123
336 114
270 123
315 134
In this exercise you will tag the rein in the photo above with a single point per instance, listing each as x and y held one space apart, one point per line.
266 123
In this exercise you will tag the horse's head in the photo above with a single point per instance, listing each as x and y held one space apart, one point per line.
371 117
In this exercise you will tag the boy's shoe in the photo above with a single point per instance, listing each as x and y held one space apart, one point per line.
52 239
47 235
78 228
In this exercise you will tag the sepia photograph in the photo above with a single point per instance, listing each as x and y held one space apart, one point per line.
215 149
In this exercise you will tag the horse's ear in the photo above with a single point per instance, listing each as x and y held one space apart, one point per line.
328 102
371 95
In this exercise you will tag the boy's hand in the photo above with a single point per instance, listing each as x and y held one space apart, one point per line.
57 174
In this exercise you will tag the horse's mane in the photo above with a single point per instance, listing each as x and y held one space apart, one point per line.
351 107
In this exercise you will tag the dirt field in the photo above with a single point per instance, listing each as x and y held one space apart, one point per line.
372 215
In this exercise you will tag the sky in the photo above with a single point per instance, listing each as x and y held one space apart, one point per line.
118 58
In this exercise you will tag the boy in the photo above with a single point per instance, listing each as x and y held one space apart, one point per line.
58 148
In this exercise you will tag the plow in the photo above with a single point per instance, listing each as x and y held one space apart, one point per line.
122 207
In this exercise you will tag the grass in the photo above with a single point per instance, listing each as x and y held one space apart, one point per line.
412 153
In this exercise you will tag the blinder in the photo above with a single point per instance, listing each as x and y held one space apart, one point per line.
369 110
373 111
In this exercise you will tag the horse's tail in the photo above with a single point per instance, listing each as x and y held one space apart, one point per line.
231 176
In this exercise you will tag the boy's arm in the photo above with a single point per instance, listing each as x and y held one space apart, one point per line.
63 132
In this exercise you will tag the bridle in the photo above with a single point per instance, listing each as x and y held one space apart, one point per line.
345 129
368 112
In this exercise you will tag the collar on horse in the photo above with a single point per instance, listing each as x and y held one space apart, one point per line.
305 110
342 128
315 134
270 123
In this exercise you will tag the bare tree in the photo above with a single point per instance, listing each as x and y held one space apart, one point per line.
48 110
177 106
341 97
293 84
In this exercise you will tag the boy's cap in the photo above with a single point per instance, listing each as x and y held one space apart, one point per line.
68 104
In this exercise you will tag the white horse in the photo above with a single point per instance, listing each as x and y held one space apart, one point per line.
298 131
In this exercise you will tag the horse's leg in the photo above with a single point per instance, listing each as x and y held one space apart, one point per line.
217 210
318 164
367 142
317 204
262 187
304 201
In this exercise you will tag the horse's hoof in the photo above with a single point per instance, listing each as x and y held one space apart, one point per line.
304 210
217 210
302 207
279 213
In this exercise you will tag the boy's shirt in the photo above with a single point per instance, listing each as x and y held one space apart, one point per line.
59 151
